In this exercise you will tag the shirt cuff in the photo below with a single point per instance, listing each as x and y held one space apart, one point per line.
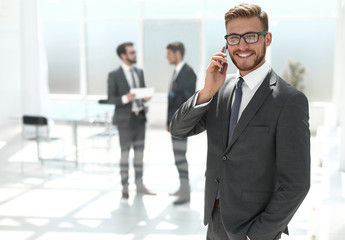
200 105
124 99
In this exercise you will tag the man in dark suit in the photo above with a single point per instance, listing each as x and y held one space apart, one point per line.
129 115
182 87
258 173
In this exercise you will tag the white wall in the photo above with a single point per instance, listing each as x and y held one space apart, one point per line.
9 61
23 73
34 66
339 77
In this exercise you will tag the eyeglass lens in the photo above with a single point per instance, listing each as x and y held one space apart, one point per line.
248 38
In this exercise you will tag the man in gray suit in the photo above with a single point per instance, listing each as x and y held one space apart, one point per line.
258 169
129 115
182 87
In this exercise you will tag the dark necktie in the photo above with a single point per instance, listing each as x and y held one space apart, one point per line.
234 112
134 84
138 102
235 107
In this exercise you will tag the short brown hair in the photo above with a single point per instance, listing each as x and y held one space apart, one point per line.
121 49
177 46
247 10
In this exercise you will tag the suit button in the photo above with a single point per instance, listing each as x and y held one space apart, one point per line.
224 158
216 180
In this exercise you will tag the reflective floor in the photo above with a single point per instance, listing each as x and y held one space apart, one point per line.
58 200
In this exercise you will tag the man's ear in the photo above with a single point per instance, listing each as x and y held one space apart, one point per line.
268 39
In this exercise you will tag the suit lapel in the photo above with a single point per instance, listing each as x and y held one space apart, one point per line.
253 106
225 108
124 79
140 77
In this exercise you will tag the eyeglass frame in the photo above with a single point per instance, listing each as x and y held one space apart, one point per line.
242 36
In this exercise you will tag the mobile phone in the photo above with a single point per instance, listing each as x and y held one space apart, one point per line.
224 51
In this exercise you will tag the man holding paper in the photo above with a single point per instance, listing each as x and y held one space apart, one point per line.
129 115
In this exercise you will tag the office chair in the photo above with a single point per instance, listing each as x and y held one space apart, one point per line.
40 134
106 121
103 101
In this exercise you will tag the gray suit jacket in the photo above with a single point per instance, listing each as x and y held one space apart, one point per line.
117 87
264 172
182 89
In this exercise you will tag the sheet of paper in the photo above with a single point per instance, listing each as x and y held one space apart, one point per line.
142 92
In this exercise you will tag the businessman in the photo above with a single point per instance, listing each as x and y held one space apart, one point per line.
129 115
258 160
182 87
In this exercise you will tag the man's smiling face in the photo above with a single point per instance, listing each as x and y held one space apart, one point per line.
248 57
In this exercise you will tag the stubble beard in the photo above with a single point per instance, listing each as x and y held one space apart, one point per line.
131 61
257 61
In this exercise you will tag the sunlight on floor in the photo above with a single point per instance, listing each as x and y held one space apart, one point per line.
2 144
56 200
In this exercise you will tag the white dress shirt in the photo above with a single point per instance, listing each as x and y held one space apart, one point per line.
126 69
179 67
177 70
251 83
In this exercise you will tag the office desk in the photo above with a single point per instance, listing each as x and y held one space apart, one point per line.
76 112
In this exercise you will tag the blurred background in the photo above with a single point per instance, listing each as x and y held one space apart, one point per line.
55 52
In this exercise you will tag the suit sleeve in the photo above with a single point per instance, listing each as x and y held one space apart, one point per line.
188 120
182 91
114 96
292 170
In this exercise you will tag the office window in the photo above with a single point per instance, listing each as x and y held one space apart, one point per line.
102 38
310 42
306 8
172 9
62 36
72 28
109 9
62 40
217 9
214 41
53 10
157 35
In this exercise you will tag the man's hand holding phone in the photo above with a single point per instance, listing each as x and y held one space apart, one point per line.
223 51
215 78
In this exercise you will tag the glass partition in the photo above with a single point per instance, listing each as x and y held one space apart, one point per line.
302 31
157 35
310 42
102 39
62 40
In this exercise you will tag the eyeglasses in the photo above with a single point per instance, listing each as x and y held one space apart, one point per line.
132 52
249 37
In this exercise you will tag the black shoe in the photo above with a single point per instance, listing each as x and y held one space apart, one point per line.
182 200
